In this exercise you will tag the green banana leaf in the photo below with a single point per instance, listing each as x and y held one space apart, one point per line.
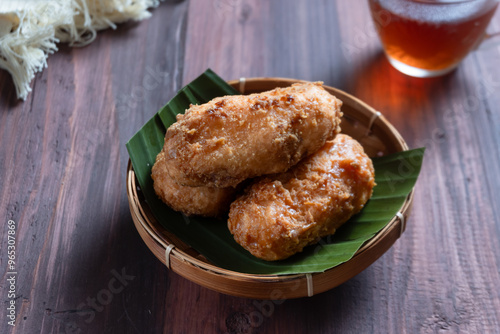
395 176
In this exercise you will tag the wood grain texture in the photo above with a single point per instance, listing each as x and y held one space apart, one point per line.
82 268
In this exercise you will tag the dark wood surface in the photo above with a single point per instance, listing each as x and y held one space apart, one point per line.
81 265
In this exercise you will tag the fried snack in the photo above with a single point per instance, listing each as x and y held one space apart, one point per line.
278 216
233 138
203 201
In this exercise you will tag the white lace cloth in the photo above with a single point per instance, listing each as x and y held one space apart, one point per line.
30 30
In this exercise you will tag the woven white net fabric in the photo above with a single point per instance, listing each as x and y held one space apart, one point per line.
30 30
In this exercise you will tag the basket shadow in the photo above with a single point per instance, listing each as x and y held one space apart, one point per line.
105 273
322 313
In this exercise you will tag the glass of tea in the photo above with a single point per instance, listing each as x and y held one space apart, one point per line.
427 38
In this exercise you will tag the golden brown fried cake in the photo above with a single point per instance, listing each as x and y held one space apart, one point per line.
204 201
278 216
232 138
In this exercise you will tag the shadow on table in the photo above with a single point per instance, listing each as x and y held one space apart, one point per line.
346 307
108 279
374 77
8 95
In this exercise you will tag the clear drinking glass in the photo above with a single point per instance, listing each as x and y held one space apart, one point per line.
428 38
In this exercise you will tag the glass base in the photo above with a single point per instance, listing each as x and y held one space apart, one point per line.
418 72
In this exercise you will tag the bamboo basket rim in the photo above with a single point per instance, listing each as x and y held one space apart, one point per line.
190 267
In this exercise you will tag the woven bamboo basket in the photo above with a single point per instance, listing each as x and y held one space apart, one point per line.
360 121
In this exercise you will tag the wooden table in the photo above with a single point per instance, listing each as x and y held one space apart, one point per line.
81 265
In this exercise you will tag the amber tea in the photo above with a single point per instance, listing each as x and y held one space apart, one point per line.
429 38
